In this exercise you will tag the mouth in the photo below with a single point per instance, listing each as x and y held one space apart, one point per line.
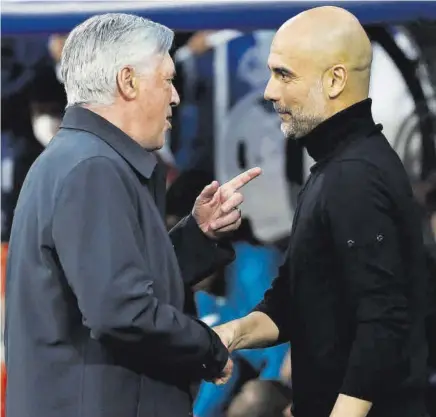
169 120
282 111
284 115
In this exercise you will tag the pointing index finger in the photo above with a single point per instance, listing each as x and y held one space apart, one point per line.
243 179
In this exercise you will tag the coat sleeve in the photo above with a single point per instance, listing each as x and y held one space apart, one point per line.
198 255
99 243
360 211
276 304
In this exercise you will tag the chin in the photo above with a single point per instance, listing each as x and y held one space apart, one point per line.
287 131
160 141
156 145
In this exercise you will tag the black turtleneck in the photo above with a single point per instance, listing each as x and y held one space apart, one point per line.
351 297
334 132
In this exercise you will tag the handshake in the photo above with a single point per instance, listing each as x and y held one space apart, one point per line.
228 334
256 330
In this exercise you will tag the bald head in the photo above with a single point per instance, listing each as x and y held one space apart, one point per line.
323 59
329 36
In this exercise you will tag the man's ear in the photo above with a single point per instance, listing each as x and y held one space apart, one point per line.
127 83
335 80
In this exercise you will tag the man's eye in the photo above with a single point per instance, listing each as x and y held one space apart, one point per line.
170 80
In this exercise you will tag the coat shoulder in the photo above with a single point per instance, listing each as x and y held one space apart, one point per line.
70 148
372 150
67 151
371 162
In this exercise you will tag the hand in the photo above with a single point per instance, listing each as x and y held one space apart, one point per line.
56 45
198 43
216 208
228 335
347 406
287 412
226 373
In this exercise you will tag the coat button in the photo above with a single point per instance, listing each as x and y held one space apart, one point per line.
350 243
380 237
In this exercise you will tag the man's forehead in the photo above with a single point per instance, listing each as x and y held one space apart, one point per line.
277 61
282 41
168 66
288 54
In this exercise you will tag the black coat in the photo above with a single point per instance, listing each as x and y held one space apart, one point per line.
351 297
94 291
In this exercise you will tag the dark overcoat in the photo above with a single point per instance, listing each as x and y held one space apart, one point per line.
95 284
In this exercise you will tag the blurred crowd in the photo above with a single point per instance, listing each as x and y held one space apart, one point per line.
221 128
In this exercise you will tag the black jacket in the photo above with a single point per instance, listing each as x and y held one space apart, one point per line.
94 291
351 295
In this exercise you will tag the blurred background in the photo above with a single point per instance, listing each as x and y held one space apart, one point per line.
222 127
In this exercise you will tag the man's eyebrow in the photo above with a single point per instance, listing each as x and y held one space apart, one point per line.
282 71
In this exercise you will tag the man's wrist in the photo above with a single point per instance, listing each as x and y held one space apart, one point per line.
217 355
235 327
242 329
204 229
347 406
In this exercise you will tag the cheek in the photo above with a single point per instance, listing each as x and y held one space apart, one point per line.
156 103
164 99
292 96
169 94
296 90
298 96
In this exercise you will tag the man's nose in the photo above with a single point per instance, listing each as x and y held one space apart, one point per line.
271 91
175 98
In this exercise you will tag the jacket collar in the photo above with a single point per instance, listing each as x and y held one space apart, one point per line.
338 130
79 118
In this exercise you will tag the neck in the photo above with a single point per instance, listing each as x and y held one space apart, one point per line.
114 115
120 117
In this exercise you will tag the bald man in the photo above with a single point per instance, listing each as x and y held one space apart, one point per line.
351 295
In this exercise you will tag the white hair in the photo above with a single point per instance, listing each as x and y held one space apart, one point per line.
97 49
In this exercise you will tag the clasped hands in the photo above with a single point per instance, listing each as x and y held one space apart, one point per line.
227 334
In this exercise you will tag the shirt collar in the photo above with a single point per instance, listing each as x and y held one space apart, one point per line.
338 130
79 118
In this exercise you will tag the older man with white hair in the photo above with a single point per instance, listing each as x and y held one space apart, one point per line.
95 285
